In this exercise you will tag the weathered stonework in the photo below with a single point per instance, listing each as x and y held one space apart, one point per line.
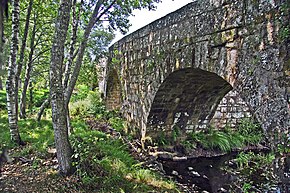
231 110
177 70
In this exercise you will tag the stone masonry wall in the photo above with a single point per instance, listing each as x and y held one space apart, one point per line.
230 111
238 41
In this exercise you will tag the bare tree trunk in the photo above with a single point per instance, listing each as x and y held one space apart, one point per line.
27 74
58 105
43 106
75 23
3 10
12 102
23 45
31 98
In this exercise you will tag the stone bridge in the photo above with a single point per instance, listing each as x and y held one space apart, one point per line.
212 62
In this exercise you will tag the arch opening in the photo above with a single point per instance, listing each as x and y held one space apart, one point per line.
113 91
187 99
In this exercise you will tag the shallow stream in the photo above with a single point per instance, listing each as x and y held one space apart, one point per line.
221 174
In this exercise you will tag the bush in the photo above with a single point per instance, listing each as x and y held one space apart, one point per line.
217 139
117 123
91 105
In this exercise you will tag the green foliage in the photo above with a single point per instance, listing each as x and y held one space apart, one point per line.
248 133
39 96
251 132
39 136
176 133
104 164
243 160
284 146
2 99
80 93
246 187
254 169
284 31
86 103
162 138
117 123
217 139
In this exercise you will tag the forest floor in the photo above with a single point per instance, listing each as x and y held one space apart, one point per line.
23 176
36 171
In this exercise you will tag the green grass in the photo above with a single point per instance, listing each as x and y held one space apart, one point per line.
104 164
39 136
247 133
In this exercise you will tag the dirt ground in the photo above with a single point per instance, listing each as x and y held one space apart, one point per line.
22 176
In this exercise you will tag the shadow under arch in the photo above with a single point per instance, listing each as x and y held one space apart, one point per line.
187 99
113 98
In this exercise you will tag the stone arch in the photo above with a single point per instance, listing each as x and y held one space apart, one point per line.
113 91
188 99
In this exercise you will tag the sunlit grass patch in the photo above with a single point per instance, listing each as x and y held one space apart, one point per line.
38 136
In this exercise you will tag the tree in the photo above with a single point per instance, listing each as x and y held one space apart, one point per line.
11 85
3 10
21 59
116 13
58 106
27 72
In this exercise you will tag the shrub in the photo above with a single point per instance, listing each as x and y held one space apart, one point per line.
92 104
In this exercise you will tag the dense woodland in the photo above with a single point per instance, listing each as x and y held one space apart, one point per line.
53 120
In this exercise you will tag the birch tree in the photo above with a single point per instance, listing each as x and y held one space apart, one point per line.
12 101
116 12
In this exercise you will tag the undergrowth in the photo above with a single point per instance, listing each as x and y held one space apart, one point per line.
254 169
105 164
247 133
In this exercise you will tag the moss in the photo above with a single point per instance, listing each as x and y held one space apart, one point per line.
229 35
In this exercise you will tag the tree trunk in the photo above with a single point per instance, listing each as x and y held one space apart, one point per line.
76 71
23 45
58 105
27 74
3 11
43 106
31 97
12 102
75 22
1 42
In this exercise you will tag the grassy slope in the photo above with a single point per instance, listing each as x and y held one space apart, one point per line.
103 164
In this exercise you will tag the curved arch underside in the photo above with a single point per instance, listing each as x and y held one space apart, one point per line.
113 91
187 99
